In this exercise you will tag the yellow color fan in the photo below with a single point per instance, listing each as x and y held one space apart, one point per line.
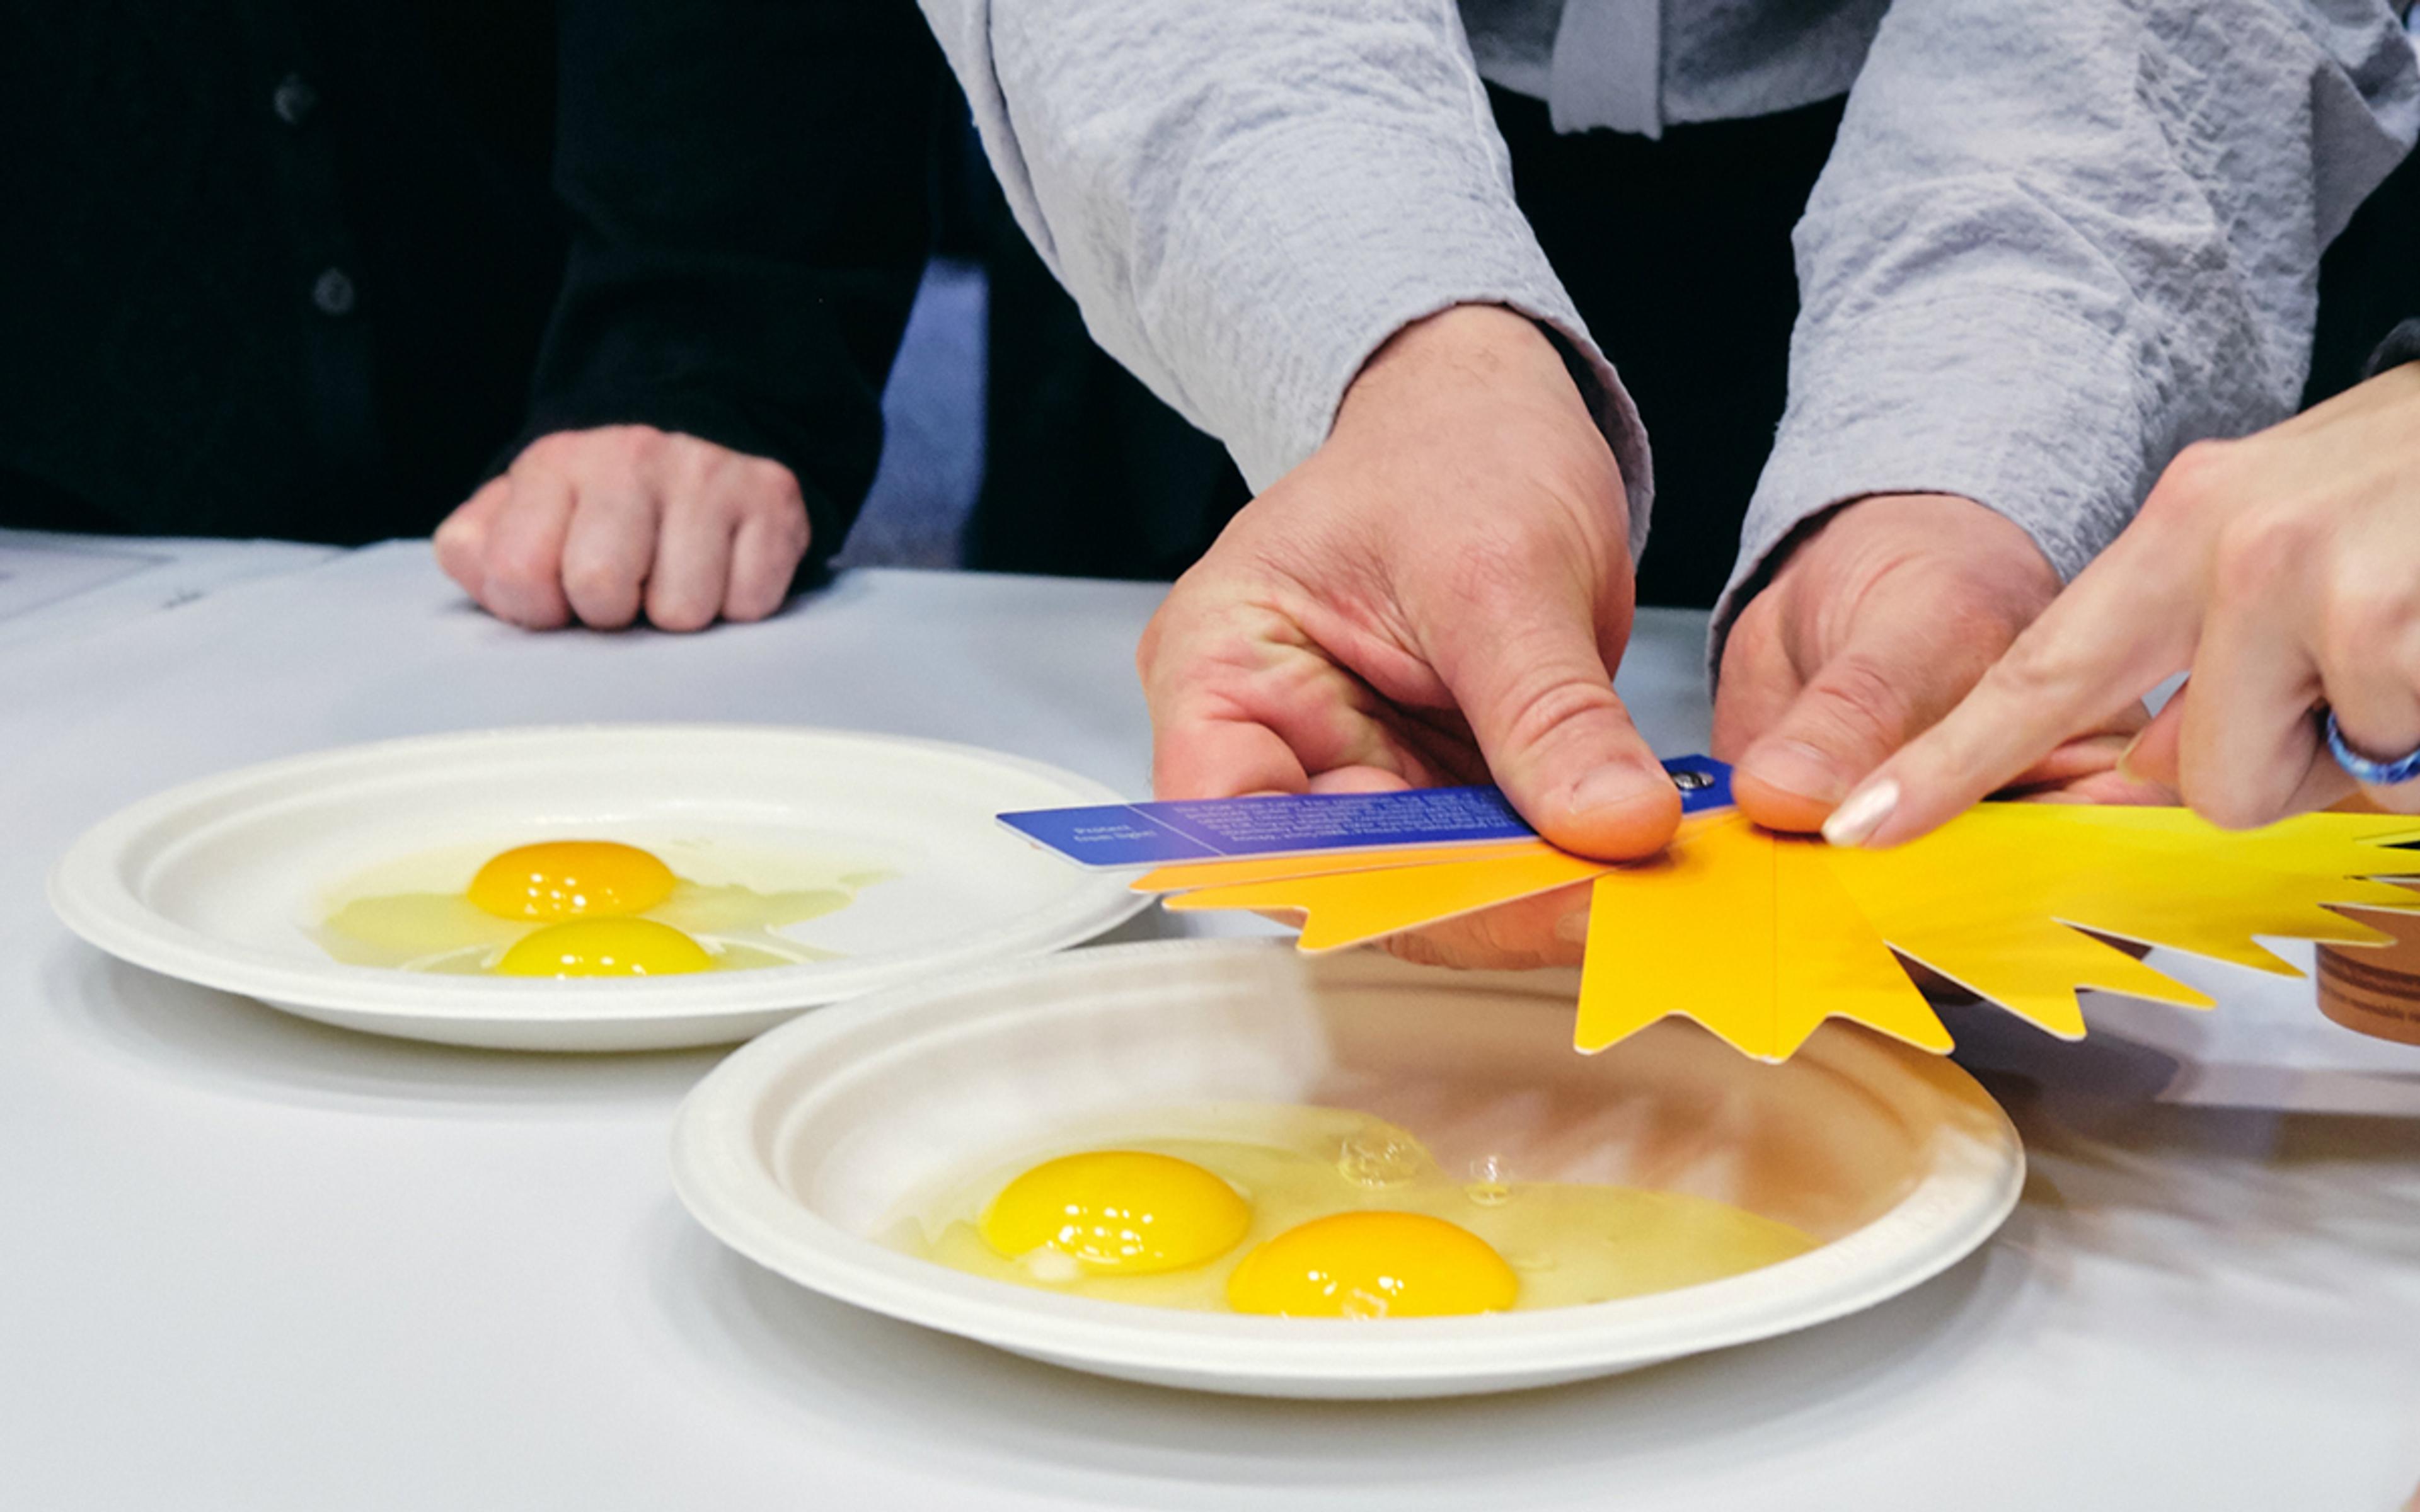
1760 938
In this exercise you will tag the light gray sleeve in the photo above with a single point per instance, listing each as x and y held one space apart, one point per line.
1247 198
2059 239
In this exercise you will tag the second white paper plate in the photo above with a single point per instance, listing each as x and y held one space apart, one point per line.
797 1150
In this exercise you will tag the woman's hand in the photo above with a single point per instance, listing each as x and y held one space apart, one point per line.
2283 570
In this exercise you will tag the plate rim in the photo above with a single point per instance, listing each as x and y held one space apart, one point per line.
1946 1217
87 892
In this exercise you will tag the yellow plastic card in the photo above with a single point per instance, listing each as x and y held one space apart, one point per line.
1350 908
1746 933
1760 938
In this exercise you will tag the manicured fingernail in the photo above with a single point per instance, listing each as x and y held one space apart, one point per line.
1793 767
1862 814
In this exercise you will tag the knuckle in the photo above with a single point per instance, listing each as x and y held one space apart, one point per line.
555 452
2194 480
1865 703
1484 943
595 583
2228 808
2258 550
2368 617
638 441
458 550
1417 949
769 484
604 446
1754 643
458 529
784 519
1541 704
523 568
2042 667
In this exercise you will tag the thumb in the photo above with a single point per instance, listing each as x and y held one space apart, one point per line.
2157 754
1889 682
1531 680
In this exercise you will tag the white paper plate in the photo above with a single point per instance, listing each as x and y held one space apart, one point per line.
798 1147
219 881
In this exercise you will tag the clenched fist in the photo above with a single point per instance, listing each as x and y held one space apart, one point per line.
598 525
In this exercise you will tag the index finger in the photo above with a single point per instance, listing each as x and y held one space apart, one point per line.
2126 622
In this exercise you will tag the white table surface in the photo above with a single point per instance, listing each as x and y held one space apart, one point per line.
55 585
250 1262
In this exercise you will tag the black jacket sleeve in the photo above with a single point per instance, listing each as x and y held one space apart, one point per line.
750 191
2402 346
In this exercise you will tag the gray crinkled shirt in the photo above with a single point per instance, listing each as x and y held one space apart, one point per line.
2056 240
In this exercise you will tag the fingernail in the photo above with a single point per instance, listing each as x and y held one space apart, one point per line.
2126 757
1610 787
1571 929
1793 767
1862 814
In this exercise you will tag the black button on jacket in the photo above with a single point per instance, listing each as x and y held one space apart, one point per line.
315 267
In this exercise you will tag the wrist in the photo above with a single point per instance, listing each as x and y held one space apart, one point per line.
1915 519
1465 354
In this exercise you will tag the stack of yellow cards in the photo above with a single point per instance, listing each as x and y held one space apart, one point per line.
1760 938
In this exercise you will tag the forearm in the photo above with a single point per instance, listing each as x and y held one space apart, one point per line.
1248 199
2058 243
746 187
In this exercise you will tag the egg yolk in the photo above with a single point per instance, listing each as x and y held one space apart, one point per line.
1372 1265
1118 1210
571 879
605 948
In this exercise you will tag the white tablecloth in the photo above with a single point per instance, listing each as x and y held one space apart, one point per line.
54 584
248 1262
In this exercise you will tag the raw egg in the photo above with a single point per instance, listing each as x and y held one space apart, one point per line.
1314 1212
585 908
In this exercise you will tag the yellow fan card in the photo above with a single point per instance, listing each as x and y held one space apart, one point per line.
1760 938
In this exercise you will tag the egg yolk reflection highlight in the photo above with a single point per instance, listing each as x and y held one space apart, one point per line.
586 908
1315 1212
1119 1212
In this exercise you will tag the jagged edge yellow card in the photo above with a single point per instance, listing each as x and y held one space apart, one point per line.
1760 938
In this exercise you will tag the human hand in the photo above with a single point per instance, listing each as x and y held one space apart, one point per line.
2282 569
595 525
1873 627
1435 595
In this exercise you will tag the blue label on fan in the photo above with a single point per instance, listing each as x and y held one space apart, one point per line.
1214 829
